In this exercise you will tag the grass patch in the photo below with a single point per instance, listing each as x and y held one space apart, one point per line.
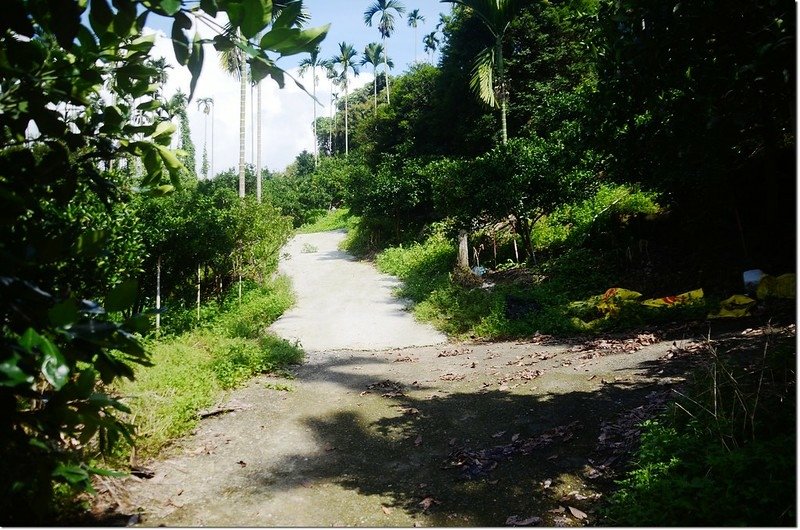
192 370
538 302
725 455
330 220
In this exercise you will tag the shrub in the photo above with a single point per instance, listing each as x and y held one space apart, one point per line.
724 455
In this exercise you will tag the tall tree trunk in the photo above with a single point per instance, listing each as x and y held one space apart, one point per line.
415 44
386 68
503 94
198 293
463 249
316 141
158 295
523 227
375 88
346 127
258 144
242 99
212 141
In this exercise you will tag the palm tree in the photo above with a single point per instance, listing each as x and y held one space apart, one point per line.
205 105
374 54
385 26
496 16
431 42
414 18
233 62
313 61
345 60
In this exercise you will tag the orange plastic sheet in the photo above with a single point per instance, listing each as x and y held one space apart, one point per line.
678 299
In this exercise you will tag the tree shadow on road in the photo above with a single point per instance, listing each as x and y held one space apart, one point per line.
519 454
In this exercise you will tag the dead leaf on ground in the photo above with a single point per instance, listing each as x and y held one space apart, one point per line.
386 510
365 392
517 521
452 442
515 437
577 513
329 447
427 502
547 483
560 509
498 434
493 482
418 440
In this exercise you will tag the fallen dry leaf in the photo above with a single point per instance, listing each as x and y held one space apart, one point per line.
547 483
577 513
427 502
452 442
493 482
515 437
386 510
560 509
329 447
418 441
498 434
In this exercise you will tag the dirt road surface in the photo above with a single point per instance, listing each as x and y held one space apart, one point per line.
342 303
384 425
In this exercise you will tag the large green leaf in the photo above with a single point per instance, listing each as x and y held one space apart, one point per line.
255 16
180 43
303 41
90 243
482 80
11 374
54 366
64 313
195 63
100 16
170 7
122 296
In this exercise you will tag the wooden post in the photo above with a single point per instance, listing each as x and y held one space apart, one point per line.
198 293
158 295
463 249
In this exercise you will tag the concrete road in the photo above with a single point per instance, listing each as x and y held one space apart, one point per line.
343 304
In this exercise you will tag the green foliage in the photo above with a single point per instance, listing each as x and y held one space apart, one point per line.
337 219
572 222
83 123
729 465
305 193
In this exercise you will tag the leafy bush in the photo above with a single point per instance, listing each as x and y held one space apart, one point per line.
724 456
571 223
336 219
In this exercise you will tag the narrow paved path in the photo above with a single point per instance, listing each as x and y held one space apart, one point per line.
343 304
419 434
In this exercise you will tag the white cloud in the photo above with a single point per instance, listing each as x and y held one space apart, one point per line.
286 115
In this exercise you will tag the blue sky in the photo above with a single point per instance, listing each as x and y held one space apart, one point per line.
287 114
347 24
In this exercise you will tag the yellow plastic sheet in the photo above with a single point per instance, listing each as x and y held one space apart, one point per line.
736 306
783 286
678 299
